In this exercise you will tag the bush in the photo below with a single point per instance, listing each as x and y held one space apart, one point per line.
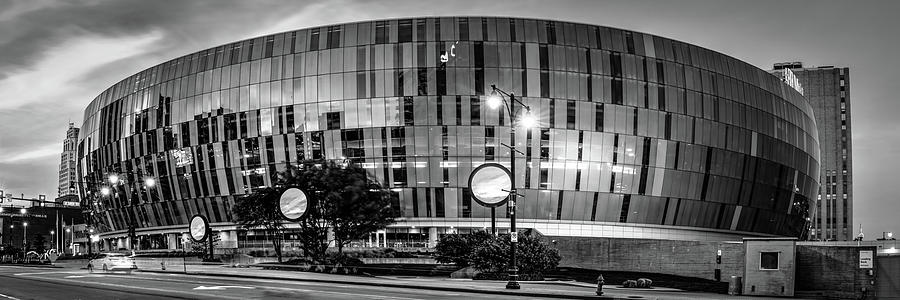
490 254
505 276
457 248
640 283
533 256
644 283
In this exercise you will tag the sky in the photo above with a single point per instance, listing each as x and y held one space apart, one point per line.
56 56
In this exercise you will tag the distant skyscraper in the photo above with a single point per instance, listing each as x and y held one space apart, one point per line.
828 91
67 163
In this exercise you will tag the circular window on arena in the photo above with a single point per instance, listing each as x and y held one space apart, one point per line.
293 204
490 184
199 228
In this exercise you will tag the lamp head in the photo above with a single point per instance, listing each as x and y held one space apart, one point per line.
528 120
23 211
150 182
494 100
113 178
104 190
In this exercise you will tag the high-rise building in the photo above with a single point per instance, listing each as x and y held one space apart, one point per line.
828 91
67 163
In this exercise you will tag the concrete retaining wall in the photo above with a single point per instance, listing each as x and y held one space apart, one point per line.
683 258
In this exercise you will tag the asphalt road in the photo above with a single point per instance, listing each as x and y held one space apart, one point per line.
44 283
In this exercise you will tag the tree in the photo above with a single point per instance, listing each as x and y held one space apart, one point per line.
260 209
38 243
457 248
356 205
342 197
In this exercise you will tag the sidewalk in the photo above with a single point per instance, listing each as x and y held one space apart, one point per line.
543 289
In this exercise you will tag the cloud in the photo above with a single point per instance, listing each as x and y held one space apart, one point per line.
49 79
42 152
29 31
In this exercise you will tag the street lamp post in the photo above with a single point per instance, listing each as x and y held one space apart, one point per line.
24 239
496 99
71 245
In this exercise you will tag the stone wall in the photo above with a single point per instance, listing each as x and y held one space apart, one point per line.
825 272
683 258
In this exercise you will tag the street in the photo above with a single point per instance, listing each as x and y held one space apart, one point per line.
40 283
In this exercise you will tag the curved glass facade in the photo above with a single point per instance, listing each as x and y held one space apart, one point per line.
635 130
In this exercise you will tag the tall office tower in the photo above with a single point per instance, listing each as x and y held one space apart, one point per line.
828 91
67 163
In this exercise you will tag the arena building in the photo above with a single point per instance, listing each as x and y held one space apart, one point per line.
638 136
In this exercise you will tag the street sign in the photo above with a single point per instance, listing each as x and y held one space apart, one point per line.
199 228
293 204
514 237
865 260
490 184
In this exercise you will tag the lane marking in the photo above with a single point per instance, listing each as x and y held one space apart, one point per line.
125 288
222 287
42 273
9 297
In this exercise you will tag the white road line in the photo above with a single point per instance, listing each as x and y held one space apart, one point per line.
43 273
133 287
9 297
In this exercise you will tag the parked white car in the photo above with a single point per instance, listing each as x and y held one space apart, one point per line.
112 262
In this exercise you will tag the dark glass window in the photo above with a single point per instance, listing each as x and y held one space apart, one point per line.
423 81
551 32
334 37
270 45
315 144
463 29
381 32
439 202
476 111
570 114
408 111
626 203
405 31
314 40
333 120
420 30
598 117
768 260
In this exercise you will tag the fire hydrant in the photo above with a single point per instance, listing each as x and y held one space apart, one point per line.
600 282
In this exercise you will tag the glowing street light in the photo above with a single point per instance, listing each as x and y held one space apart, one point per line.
113 178
528 120
23 211
150 182
494 100
104 190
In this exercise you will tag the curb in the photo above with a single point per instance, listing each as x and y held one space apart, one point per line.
32 266
434 288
